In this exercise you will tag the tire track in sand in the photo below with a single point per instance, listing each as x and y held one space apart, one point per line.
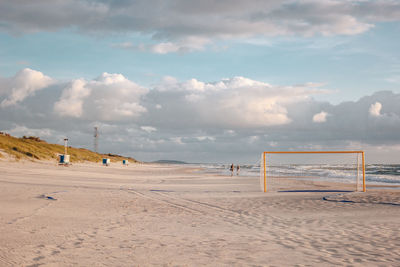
164 201
234 217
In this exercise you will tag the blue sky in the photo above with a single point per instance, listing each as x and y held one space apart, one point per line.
290 60
351 65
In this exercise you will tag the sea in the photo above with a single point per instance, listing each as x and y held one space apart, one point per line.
379 174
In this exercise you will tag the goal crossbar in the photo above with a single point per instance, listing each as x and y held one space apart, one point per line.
364 189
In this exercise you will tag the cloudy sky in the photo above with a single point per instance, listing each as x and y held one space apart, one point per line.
203 81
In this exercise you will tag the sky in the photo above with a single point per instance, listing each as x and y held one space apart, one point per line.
204 81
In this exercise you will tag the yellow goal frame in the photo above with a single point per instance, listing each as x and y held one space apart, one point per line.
316 152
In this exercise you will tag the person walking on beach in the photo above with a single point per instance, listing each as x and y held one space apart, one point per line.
232 168
237 169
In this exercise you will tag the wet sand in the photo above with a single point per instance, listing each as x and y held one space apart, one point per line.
164 215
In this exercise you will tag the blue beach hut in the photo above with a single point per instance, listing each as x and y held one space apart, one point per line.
63 159
106 161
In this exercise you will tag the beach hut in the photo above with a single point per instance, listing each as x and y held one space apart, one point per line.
106 161
125 162
63 159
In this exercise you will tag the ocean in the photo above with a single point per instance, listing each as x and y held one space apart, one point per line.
379 174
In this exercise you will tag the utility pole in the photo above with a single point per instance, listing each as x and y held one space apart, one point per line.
65 146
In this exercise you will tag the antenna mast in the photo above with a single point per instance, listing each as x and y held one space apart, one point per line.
96 139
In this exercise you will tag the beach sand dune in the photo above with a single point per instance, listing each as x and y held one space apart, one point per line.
164 215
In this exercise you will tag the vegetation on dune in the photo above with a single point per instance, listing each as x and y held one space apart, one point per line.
33 148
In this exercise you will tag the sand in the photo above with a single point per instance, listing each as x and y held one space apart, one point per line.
160 215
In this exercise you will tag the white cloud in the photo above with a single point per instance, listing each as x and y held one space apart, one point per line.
375 109
320 117
253 139
24 84
393 79
125 45
110 97
71 101
273 144
230 132
205 138
164 48
20 130
230 103
148 129
184 45
177 140
114 97
187 44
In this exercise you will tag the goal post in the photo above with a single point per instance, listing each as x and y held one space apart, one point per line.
308 166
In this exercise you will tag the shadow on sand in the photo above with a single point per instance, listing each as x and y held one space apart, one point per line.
316 191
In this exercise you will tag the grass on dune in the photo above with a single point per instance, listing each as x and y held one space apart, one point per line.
34 148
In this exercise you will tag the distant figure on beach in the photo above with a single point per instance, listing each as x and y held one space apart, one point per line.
232 168
237 170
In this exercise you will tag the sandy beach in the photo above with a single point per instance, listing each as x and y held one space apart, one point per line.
173 215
